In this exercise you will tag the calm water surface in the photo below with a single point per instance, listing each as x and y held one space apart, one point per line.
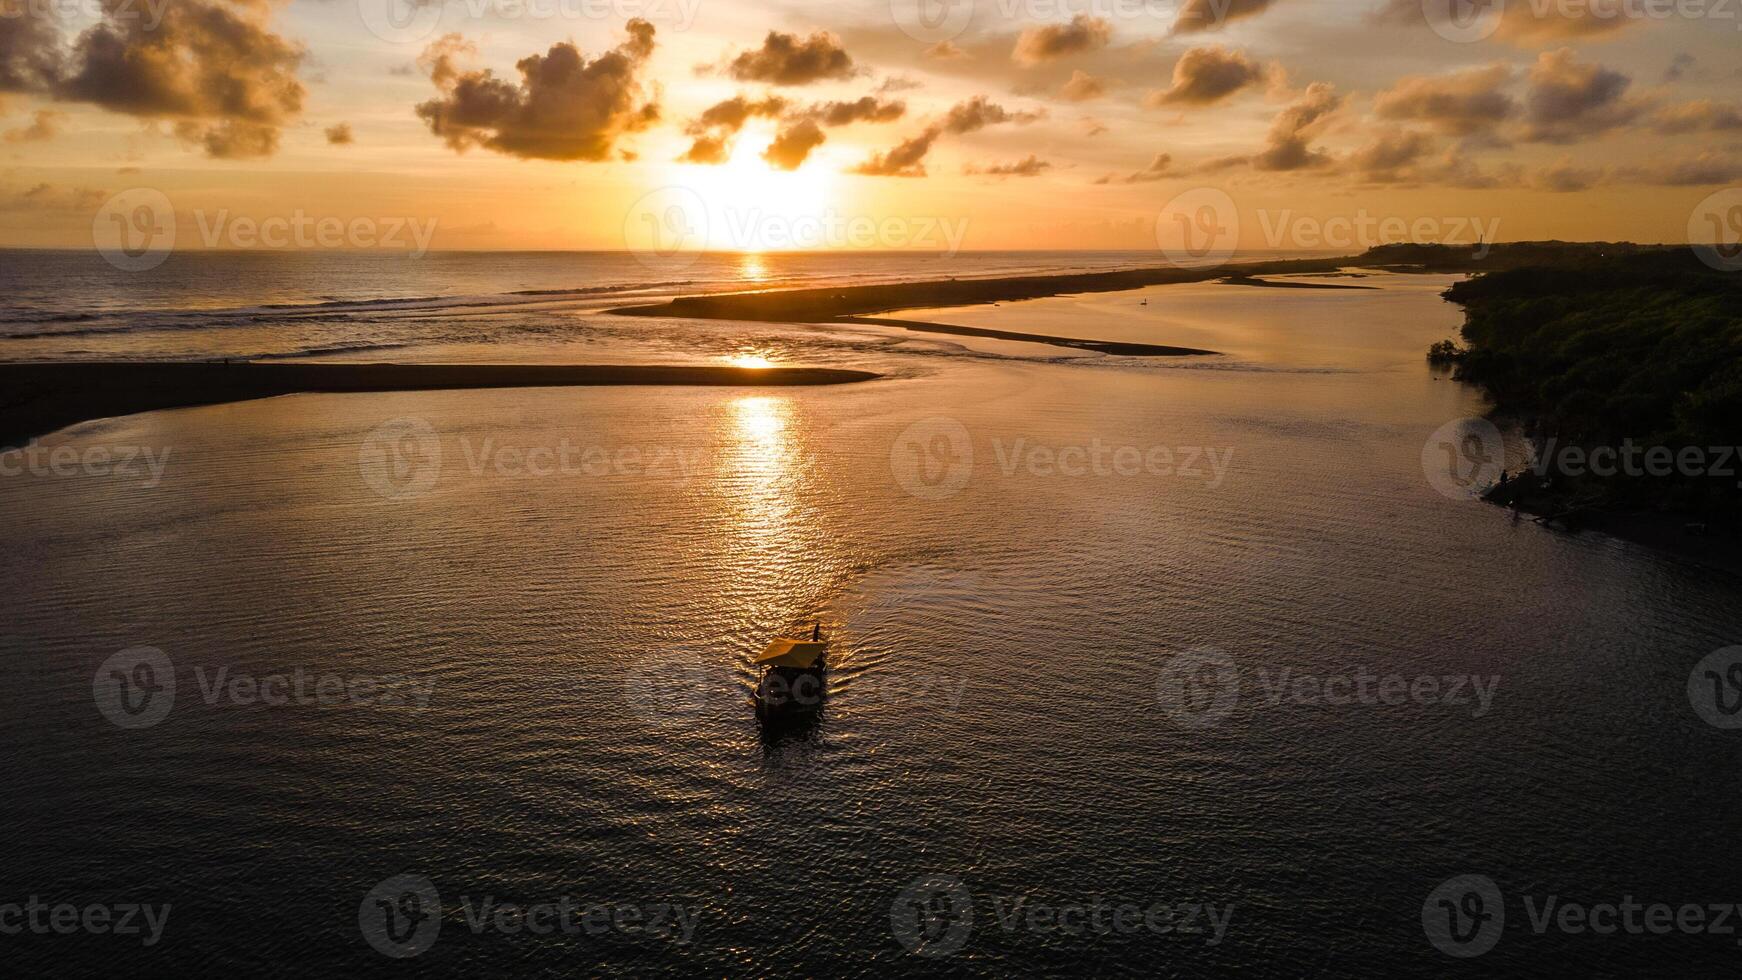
1000 708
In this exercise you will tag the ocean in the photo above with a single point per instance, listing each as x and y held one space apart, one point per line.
1176 666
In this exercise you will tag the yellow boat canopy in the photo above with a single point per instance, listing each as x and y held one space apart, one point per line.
788 652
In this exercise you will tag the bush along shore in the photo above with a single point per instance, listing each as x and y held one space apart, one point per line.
1625 372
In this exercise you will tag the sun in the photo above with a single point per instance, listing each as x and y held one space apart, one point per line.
751 206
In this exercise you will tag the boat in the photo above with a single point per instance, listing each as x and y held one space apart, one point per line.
792 683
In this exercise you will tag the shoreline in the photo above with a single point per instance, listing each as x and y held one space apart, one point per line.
42 398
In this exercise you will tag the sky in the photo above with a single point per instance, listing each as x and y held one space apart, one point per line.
968 124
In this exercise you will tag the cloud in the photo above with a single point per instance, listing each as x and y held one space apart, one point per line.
564 108
971 115
1030 166
1564 178
945 50
215 68
905 160
441 59
1392 154
1160 168
1049 42
1706 169
977 113
340 135
1207 75
1525 23
785 59
793 144
1196 16
1680 68
45 125
1700 116
898 83
50 198
1082 87
1568 102
1459 104
713 130
30 56
865 109
1287 145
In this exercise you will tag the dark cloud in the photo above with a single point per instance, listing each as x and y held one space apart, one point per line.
1564 178
1700 116
1706 169
1160 168
1206 75
214 68
50 198
1568 102
713 130
793 144
1294 127
865 109
1211 15
1459 104
1392 154
1029 166
1082 87
1679 68
341 135
978 113
30 55
785 59
1048 42
564 108
905 160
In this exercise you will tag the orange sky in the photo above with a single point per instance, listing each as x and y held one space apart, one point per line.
1307 124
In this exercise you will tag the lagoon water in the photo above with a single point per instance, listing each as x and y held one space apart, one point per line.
1013 547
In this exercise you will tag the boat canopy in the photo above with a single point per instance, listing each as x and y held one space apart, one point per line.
785 651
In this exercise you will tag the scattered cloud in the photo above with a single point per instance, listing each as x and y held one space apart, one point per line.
786 59
1392 155
340 135
1704 170
864 109
1049 42
1459 104
1699 116
1082 87
564 107
1568 101
44 126
793 144
1207 75
1196 16
1030 166
1160 168
905 160
972 115
51 198
1287 145
1564 178
945 50
1680 68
